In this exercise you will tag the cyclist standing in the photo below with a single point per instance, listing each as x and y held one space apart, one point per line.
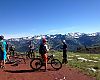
43 49
12 50
64 52
3 52
31 50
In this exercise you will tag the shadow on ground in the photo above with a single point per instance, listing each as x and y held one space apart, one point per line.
19 71
27 71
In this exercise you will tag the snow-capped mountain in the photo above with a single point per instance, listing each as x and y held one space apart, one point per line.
69 35
73 40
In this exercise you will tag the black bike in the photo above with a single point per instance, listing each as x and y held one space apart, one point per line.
37 63
30 55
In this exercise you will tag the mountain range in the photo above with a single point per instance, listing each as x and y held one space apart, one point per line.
73 40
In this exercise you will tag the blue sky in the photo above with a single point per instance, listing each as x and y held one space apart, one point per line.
34 17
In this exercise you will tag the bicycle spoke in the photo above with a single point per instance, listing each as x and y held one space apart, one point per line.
35 64
56 64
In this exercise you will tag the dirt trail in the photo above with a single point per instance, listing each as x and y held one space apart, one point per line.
24 72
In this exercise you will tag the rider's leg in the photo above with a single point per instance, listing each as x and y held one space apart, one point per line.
64 57
45 59
33 53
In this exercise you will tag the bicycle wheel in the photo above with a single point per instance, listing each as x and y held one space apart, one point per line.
56 64
36 63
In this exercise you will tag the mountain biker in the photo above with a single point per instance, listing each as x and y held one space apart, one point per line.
64 52
7 49
12 50
31 50
43 49
3 52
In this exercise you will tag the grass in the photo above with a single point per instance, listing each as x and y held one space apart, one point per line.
90 64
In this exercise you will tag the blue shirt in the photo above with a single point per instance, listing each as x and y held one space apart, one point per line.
4 48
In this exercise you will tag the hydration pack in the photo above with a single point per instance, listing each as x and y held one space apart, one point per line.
42 49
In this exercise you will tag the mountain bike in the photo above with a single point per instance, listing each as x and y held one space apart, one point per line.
15 60
37 63
30 55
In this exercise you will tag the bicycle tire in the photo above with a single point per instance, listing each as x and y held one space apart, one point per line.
36 65
54 64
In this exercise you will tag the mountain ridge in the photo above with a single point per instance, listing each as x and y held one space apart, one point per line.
73 40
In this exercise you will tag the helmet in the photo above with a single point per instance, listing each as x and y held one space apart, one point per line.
1 37
64 41
44 40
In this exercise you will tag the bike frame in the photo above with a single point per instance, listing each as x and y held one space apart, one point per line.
49 58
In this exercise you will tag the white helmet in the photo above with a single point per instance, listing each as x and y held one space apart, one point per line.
64 41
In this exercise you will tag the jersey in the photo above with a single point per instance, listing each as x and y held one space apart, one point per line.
42 49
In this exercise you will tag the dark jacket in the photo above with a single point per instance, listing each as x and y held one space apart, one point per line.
64 47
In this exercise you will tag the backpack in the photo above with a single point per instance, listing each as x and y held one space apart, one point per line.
42 49
1 47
